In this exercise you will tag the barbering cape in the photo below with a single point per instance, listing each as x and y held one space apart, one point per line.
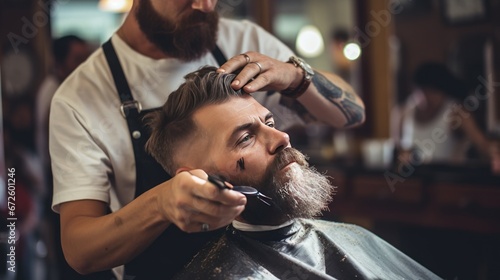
306 249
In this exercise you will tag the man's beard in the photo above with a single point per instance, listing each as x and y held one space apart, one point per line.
300 192
188 39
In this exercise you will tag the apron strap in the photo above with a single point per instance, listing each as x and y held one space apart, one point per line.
116 70
130 108
219 56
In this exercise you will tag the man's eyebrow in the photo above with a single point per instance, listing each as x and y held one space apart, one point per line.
237 130
268 116
246 126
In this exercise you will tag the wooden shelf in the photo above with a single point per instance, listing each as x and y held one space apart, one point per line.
424 199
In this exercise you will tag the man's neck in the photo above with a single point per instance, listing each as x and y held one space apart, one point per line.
132 35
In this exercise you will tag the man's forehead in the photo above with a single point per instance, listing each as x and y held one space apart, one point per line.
225 116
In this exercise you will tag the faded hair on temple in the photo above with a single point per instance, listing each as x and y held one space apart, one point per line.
173 122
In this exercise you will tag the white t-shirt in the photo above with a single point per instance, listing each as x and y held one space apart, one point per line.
90 145
434 139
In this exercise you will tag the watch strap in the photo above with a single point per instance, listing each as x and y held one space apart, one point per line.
298 91
302 87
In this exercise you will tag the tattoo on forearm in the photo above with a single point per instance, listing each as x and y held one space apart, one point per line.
352 111
349 96
295 105
345 101
326 88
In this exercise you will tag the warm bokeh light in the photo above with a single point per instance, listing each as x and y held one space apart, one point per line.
352 51
309 42
118 6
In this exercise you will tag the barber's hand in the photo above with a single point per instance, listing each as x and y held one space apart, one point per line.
260 72
194 204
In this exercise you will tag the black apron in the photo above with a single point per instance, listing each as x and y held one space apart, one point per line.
173 248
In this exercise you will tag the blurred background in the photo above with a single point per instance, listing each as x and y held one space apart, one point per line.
423 172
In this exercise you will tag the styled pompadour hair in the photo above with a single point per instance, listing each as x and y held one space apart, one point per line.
173 124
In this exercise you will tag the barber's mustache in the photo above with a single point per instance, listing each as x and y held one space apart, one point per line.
195 18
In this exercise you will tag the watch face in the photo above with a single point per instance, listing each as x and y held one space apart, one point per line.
307 68
299 62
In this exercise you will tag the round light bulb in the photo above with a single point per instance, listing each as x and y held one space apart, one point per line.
352 51
309 42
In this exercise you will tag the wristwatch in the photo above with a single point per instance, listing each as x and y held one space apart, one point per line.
308 75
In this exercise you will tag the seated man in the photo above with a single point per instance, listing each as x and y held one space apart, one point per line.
207 125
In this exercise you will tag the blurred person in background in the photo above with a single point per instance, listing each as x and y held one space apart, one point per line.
433 126
68 52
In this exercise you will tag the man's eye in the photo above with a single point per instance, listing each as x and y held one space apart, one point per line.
244 139
270 124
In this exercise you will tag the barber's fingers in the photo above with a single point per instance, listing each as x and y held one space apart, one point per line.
201 206
215 209
183 198
236 62
189 184
209 191
198 173
260 73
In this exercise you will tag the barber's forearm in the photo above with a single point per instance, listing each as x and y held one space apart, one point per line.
94 242
329 99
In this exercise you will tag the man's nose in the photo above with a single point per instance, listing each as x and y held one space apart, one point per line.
204 5
278 140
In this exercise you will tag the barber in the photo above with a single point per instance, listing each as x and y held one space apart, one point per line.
117 205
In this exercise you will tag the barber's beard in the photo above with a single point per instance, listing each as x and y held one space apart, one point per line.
298 192
187 39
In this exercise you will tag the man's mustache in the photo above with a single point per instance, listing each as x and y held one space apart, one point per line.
285 157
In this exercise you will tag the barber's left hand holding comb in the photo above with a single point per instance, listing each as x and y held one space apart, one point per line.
194 204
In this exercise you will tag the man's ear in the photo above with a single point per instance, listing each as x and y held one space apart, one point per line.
182 169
